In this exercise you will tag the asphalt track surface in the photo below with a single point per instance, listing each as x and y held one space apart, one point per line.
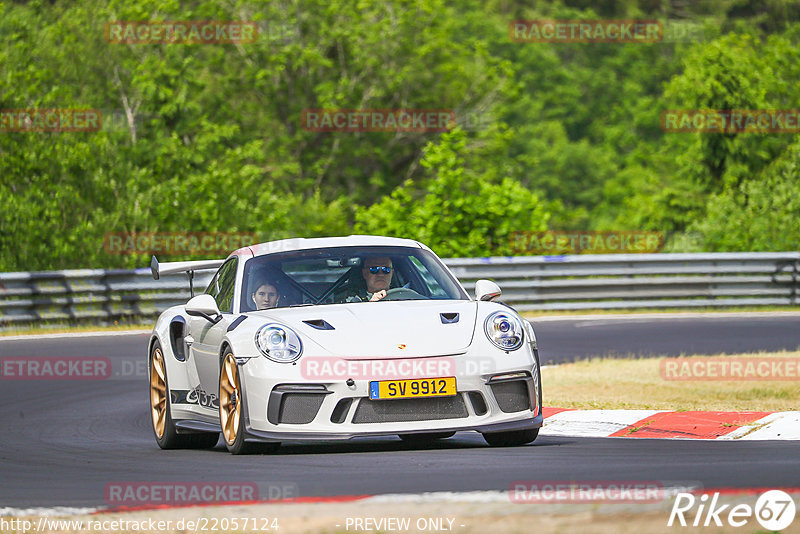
567 340
63 442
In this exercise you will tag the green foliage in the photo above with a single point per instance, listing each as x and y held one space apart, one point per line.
759 214
729 73
732 72
209 138
456 212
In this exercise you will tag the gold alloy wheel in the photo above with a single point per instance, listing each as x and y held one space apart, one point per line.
230 402
158 393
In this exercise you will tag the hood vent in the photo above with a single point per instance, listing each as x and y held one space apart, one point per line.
449 318
319 324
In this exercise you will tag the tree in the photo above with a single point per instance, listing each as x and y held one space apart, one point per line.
761 214
457 212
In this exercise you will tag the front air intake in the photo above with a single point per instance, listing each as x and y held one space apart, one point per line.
295 404
404 410
299 408
340 412
512 396
478 403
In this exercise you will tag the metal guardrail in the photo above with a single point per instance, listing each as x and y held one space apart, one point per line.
610 281
615 281
91 294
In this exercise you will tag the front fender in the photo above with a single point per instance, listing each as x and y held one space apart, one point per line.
177 370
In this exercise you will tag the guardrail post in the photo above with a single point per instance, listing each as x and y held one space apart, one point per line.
107 306
794 266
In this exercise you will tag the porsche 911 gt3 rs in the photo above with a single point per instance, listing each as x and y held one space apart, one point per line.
337 338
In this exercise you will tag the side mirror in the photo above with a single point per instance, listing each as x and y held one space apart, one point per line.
204 306
486 290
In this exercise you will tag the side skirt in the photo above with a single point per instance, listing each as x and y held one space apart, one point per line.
189 426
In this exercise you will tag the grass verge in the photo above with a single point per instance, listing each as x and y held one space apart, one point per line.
60 328
637 383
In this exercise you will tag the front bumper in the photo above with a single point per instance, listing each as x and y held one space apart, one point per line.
282 405
522 424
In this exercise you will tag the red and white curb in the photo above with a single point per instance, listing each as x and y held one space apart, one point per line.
668 424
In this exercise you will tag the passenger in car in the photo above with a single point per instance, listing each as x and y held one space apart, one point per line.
266 295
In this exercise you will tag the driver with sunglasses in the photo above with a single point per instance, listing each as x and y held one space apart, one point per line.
377 273
369 283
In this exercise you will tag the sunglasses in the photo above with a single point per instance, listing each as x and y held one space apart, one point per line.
376 269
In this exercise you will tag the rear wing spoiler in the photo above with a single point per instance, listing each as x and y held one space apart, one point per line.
189 267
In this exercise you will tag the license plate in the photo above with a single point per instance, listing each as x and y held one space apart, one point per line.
417 387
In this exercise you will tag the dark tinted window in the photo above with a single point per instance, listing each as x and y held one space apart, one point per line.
336 275
213 287
222 285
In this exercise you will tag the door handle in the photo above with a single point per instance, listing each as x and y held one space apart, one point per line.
188 340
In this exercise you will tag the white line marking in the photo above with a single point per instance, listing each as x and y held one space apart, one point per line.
46 512
779 425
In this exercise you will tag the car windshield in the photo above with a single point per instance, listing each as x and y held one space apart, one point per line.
345 275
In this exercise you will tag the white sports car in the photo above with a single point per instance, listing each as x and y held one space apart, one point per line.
336 338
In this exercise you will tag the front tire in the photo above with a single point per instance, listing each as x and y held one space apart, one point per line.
231 411
511 439
164 429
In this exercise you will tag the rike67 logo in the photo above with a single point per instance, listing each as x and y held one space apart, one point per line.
774 510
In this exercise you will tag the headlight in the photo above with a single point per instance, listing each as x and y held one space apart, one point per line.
279 343
504 330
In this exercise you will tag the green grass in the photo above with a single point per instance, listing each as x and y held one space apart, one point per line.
61 328
637 383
